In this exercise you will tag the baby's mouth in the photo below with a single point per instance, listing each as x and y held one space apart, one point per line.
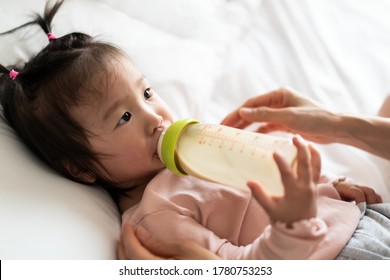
161 129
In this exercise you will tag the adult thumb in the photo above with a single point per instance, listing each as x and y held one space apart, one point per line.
182 250
156 246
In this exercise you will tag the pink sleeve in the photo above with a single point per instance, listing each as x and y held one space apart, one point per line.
276 242
279 242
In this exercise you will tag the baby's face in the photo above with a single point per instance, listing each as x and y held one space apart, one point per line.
125 125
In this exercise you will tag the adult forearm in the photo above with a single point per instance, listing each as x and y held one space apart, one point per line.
371 134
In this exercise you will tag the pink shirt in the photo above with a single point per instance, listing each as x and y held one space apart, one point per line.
230 223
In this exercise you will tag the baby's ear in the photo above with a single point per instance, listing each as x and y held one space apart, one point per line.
81 176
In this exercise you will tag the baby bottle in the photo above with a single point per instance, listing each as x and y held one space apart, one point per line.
225 155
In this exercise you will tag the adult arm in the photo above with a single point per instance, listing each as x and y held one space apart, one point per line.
287 110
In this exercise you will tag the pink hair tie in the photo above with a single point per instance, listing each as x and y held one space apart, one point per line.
51 36
13 74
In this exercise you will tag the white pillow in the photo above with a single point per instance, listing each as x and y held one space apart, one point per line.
45 216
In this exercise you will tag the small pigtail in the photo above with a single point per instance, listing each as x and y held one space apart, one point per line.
8 90
19 27
12 74
45 21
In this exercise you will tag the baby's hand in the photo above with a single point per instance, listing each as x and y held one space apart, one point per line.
299 200
349 191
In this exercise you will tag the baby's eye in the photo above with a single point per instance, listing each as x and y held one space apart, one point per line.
125 118
148 93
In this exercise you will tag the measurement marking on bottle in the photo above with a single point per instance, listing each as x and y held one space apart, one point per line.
218 137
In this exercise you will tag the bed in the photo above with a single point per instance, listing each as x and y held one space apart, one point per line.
204 58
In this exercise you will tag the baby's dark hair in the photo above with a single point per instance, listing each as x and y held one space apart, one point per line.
38 101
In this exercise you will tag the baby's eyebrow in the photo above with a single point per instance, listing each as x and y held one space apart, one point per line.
112 108
140 80
119 101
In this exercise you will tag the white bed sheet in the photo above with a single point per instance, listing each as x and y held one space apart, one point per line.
205 58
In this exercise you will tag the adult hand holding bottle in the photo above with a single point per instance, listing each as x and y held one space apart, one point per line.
286 110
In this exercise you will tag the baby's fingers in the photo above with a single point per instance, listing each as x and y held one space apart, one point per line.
360 194
304 169
286 173
370 195
260 195
315 160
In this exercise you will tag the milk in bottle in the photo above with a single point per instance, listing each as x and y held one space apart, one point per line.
225 155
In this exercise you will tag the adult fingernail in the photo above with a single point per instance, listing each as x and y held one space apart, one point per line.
246 111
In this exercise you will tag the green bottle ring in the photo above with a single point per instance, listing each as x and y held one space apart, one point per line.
168 146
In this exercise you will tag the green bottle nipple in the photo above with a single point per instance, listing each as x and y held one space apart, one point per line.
167 146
